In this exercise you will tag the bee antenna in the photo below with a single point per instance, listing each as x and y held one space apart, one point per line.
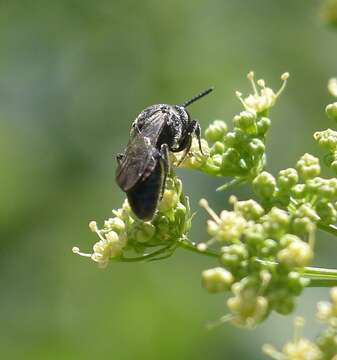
197 97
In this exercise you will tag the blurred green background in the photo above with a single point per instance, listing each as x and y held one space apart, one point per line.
73 76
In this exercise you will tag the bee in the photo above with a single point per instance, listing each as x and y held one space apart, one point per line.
143 167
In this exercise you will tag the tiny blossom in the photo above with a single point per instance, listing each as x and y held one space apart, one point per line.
298 349
109 246
263 99
194 159
247 306
123 232
227 227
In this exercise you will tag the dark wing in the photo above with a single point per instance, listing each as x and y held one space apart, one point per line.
136 160
153 126
141 153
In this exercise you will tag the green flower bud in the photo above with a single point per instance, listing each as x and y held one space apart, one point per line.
269 248
305 219
254 234
285 305
180 217
302 226
218 148
296 254
217 280
144 232
308 166
230 162
287 179
233 255
296 283
263 125
299 191
249 209
256 146
327 343
264 185
331 111
276 222
287 239
246 121
306 210
327 139
216 131
236 139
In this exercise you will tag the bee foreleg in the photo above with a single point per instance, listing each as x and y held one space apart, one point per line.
194 128
164 156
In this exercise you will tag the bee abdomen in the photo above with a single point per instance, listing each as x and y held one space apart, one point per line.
143 197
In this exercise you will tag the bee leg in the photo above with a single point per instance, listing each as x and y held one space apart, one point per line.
195 129
187 150
164 156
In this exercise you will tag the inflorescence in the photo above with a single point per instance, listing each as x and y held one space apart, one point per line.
263 247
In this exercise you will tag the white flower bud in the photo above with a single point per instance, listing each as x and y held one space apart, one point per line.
217 279
93 226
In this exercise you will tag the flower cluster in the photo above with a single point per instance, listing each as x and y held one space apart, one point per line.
262 258
263 248
123 233
324 347
301 191
239 153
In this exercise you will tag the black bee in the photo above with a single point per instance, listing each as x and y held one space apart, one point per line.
143 167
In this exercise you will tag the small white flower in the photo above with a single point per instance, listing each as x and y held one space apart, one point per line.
264 98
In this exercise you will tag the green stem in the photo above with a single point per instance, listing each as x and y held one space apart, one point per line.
235 182
144 257
188 245
319 277
320 272
322 282
331 229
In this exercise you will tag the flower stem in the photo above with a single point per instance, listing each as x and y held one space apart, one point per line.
320 272
322 282
188 245
331 229
319 277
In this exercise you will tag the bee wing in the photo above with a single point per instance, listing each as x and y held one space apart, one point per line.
137 160
140 157
153 126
